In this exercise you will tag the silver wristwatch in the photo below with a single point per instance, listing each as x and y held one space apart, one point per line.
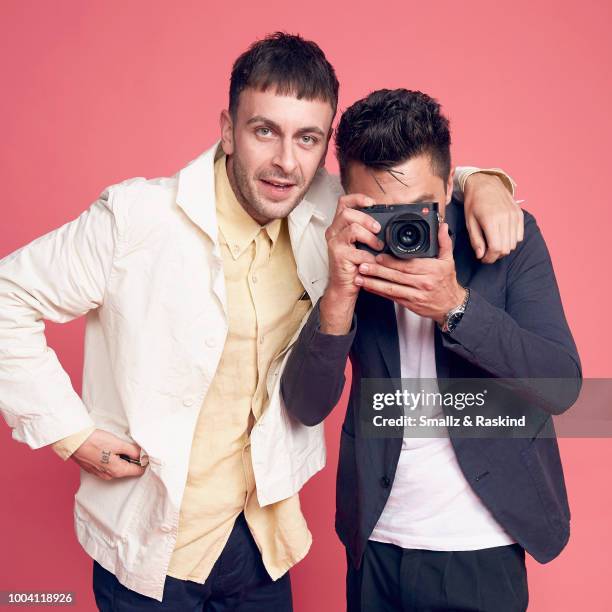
453 316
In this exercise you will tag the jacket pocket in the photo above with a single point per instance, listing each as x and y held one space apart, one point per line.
109 507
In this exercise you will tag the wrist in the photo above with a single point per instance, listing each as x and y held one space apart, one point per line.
453 316
487 176
336 312
459 297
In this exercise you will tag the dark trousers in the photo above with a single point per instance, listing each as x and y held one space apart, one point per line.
238 581
405 580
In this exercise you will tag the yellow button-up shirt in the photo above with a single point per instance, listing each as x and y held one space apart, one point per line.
265 310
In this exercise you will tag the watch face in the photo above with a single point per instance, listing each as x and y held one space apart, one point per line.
453 320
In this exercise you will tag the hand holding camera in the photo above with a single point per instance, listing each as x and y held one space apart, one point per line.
350 225
426 285
400 251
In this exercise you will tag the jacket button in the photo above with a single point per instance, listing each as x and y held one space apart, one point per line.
210 342
188 402
166 528
385 482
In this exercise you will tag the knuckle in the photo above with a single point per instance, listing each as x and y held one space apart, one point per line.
355 230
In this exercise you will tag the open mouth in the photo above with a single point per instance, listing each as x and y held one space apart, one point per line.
278 185
276 190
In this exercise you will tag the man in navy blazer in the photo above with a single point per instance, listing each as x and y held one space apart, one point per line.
438 522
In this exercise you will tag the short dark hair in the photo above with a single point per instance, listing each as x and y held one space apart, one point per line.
290 64
391 126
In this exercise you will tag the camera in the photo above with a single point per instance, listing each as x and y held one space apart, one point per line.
407 230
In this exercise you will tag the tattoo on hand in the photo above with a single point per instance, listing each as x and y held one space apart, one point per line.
106 456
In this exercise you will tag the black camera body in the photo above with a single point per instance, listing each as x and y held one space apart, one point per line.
407 230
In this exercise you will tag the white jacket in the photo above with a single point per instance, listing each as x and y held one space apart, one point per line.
143 263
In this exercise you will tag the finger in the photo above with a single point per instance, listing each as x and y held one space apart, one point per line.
358 256
500 242
513 230
445 243
494 243
392 275
129 449
118 468
357 233
354 200
477 239
520 224
416 265
386 288
507 236
350 215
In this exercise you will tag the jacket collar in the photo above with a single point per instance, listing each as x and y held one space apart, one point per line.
196 191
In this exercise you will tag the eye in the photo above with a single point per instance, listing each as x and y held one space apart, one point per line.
309 141
265 132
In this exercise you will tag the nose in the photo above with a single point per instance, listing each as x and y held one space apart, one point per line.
285 157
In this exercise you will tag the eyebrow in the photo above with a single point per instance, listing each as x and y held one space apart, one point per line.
273 124
424 197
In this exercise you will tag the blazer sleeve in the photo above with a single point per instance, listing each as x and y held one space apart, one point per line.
313 377
530 339
58 277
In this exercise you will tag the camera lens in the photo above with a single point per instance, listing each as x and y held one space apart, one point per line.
408 235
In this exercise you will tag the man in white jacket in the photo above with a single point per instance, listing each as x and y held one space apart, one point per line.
195 287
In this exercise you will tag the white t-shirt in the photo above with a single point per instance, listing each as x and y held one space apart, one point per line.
431 505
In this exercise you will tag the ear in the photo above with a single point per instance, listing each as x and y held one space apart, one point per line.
227 132
449 185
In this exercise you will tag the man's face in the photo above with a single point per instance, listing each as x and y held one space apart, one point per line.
408 182
275 145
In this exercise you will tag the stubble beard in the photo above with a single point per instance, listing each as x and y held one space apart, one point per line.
261 210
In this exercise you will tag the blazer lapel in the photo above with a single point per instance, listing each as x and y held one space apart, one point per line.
379 313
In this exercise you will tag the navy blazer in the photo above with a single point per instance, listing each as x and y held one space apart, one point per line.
513 327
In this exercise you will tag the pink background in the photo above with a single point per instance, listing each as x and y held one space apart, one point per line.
96 92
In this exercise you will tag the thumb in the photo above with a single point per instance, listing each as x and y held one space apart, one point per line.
476 238
444 242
